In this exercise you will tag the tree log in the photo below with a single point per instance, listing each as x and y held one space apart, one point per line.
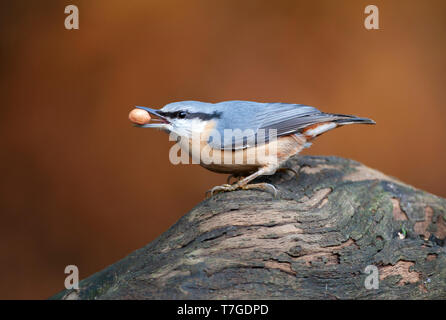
315 242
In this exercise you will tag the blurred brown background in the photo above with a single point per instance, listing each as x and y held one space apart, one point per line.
81 186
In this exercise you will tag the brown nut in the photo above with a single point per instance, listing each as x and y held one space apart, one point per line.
139 116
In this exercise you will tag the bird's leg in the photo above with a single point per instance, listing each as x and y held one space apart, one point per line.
243 183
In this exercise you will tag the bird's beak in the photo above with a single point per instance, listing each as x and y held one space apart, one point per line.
164 122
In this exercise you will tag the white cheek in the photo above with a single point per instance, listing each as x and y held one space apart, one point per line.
197 125
186 127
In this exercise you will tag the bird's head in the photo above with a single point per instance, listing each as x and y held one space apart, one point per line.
184 118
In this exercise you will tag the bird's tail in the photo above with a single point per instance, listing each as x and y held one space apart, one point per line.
330 121
342 119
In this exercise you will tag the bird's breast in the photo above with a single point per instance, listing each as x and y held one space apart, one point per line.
241 161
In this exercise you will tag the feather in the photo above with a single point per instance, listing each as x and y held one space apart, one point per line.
254 121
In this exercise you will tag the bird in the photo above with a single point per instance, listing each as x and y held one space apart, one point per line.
245 130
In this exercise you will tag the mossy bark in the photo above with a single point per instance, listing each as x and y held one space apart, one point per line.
315 242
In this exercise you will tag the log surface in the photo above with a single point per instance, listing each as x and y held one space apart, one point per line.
315 242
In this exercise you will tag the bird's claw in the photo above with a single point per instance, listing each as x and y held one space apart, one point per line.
223 188
264 186
227 188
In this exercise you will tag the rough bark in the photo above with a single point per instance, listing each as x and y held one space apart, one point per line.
315 242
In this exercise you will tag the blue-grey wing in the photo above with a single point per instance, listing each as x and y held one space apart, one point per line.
253 123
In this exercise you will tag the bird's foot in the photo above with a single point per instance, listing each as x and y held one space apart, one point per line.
223 188
228 187
263 186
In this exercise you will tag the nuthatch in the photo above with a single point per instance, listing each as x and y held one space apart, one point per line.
293 125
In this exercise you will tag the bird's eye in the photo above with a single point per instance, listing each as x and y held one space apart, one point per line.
182 114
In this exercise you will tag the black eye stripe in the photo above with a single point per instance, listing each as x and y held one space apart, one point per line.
190 115
172 114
